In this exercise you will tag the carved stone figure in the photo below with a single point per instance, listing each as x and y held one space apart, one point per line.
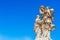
44 25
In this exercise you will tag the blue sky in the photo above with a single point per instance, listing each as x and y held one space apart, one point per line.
17 18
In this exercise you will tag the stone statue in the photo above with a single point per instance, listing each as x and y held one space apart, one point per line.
44 26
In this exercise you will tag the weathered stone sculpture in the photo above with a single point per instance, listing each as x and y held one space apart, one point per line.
44 26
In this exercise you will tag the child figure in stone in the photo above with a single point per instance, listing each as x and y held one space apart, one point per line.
37 28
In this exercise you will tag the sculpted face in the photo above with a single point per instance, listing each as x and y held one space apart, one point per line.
42 9
51 11
38 17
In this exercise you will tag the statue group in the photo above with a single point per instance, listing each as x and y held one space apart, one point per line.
43 25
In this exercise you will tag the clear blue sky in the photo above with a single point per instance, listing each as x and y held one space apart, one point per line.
17 17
